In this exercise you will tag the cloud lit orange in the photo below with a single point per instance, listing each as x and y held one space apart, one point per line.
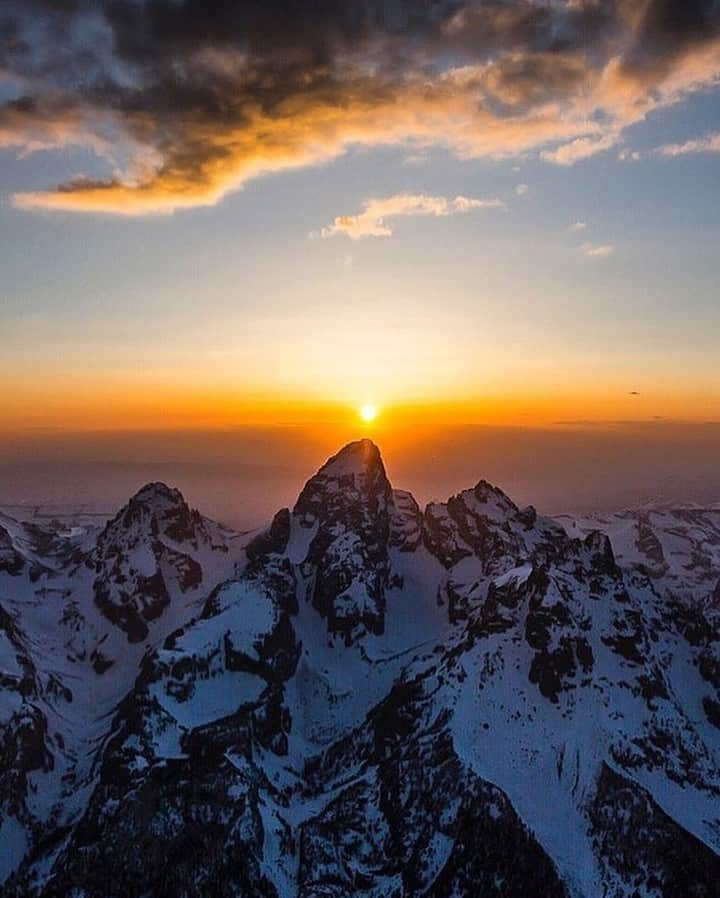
218 118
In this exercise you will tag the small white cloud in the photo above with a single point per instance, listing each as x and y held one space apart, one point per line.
521 190
596 250
578 226
708 144
629 156
580 148
373 220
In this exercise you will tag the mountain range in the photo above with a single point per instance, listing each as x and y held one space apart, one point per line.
364 698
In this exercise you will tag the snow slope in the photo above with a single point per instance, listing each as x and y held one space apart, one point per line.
364 698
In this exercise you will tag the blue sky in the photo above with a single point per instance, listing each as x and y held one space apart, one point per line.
240 297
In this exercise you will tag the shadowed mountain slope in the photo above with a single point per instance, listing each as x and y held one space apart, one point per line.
364 698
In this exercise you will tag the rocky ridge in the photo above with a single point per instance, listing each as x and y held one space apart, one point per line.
364 698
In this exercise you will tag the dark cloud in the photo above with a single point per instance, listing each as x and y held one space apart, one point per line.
200 95
315 32
669 27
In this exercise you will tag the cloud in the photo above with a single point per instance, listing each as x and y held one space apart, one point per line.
521 190
588 248
596 250
373 220
33 125
710 143
707 144
627 155
580 148
184 101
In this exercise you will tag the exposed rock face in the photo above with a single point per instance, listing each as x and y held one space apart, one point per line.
348 506
677 547
81 606
362 699
638 843
387 832
480 533
11 561
23 745
715 599
179 775
144 553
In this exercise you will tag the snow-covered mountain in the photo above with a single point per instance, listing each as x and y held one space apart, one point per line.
364 698
677 546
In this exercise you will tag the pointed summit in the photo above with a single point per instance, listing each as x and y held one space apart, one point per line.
152 508
149 552
349 506
158 510
358 457
355 477
158 495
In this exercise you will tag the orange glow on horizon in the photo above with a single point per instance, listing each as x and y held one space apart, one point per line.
94 407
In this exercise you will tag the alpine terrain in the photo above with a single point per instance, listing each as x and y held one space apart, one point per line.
365 698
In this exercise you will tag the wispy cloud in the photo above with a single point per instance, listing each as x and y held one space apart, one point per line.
588 248
596 250
580 148
521 190
708 144
373 220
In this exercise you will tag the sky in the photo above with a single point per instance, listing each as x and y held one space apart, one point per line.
255 218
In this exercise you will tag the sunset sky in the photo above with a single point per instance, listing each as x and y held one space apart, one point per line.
223 215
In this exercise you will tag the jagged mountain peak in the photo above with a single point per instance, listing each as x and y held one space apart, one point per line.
351 485
155 547
484 490
359 457
355 474
157 510
348 507
157 494
370 699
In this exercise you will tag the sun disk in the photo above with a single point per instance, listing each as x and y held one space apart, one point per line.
368 412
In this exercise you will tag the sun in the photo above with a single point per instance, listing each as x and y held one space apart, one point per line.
368 412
